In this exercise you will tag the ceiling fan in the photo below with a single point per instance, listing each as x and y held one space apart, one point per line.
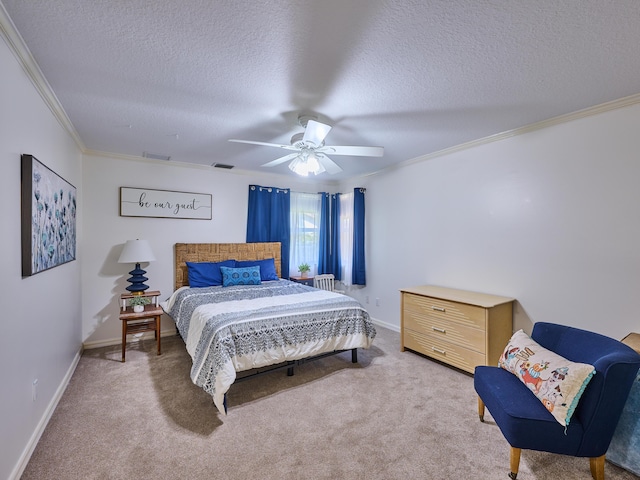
310 151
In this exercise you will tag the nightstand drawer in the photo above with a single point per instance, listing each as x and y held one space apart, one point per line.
437 308
455 355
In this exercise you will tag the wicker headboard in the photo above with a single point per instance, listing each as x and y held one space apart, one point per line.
217 252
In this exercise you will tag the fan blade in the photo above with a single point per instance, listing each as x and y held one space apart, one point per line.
286 147
315 133
280 160
329 165
354 150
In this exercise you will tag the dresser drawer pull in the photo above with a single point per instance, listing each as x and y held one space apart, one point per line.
438 309
441 330
437 350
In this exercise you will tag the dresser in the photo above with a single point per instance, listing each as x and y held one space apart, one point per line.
461 328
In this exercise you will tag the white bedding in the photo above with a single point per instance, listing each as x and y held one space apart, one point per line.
233 329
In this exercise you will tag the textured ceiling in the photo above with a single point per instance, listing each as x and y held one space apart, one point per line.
180 77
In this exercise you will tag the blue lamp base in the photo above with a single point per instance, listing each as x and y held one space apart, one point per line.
137 280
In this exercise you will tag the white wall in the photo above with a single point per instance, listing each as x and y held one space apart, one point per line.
41 323
549 217
106 232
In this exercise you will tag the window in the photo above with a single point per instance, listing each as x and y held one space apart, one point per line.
305 231
341 231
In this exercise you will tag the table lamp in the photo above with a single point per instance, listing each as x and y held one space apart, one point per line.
137 251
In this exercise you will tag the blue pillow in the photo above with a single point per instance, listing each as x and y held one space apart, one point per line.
240 276
267 268
207 274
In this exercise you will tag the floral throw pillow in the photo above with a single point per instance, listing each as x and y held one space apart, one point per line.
557 382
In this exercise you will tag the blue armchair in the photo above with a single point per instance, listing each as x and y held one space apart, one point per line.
527 424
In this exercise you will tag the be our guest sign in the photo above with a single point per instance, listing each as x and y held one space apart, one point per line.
147 202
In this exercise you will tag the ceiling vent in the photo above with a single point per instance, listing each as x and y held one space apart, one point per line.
156 156
222 165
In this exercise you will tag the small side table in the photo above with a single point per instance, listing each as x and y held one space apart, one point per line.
146 321
303 280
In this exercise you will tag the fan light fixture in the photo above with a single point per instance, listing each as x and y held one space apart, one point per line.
306 163
311 151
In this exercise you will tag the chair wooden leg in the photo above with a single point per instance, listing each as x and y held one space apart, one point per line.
481 409
514 462
597 467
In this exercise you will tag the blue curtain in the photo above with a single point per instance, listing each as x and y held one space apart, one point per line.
324 259
329 259
335 261
268 219
359 275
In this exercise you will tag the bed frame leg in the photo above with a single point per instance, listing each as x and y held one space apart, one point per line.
354 355
224 404
290 372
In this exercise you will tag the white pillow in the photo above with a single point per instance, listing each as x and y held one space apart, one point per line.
557 382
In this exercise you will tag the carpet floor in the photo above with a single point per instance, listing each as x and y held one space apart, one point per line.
393 415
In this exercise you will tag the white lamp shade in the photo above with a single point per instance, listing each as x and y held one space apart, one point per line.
136 251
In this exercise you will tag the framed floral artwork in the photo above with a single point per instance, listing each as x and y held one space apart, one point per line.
48 218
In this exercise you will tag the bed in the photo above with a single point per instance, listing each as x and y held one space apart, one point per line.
244 328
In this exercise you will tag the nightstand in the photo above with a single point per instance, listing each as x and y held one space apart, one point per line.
145 321
303 280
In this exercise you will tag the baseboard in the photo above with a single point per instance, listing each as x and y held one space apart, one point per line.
390 326
118 341
42 424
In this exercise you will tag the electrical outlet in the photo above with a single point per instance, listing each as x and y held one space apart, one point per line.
377 302
34 390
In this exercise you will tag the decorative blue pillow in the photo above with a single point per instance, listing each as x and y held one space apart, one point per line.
207 274
240 276
267 268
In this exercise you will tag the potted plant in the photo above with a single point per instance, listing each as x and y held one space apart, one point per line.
138 302
304 268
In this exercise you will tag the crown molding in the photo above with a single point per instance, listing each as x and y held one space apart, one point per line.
560 119
173 163
569 117
23 55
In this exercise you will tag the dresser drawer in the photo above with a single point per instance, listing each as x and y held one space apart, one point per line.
455 355
439 329
437 308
